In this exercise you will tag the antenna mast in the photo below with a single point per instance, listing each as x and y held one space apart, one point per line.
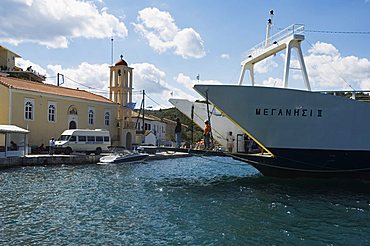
111 51
268 29
58 80
143 112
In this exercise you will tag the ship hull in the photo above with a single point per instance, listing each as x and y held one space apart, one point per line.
311 163
306 133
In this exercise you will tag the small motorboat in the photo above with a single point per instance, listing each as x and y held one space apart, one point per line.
125 157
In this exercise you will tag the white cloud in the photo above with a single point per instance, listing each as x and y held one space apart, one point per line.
90 77
153 80
225 56
54 23
147 76
189 83
265 65
184 80
185 90
365 83
24 64
159 28
321 48
273 82
327 69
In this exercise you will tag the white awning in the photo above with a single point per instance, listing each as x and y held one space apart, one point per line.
12 129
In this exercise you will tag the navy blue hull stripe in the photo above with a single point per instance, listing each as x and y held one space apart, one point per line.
311 163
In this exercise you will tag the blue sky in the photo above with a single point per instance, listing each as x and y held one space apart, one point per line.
168 43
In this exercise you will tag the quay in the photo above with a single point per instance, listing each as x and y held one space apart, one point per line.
82 159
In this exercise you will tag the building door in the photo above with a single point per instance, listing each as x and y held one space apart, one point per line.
72 125
128 141
72 117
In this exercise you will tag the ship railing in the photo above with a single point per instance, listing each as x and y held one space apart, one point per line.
274 39
359 95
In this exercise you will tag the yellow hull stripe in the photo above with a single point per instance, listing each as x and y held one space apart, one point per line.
249 135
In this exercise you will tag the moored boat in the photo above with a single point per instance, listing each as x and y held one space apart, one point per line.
302 133
305 133
125 157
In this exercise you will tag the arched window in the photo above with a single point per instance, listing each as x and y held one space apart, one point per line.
107 118
51 112
28 109
72 110
91 115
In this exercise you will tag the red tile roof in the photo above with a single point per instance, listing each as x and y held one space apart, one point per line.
28 85
146 116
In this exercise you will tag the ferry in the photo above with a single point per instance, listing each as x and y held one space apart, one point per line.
302 133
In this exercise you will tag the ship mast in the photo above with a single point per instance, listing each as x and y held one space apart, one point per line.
268 29
290 37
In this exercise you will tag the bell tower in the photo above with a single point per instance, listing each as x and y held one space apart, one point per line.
121 78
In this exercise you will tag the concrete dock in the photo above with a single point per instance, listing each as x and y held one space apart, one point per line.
47 160
158 153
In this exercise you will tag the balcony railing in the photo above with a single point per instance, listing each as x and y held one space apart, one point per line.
126 124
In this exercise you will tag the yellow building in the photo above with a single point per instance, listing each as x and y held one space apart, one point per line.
7 59
7 66
47 110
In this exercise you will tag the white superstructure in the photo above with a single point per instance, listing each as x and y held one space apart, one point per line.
287 39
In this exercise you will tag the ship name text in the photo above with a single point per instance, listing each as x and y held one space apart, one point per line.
296 112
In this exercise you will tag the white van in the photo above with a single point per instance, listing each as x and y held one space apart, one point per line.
83 140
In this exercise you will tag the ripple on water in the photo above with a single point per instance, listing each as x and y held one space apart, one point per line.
190 201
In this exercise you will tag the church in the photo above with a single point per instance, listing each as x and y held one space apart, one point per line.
47 110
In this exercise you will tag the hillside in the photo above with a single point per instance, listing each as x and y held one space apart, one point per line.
172 114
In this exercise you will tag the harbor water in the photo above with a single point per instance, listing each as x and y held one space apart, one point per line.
186 201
